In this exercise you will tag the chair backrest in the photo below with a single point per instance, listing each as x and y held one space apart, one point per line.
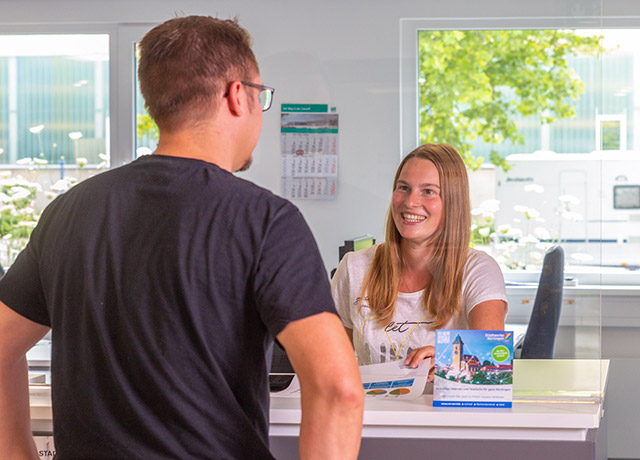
540 337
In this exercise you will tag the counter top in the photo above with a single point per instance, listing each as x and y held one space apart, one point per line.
552 400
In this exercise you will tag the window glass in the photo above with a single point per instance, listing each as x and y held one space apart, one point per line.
500 92
54 124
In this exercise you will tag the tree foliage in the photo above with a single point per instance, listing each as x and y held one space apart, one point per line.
147 127
473 84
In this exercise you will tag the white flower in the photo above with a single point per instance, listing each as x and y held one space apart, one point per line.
473 227
532 213
7 207
62 185
535 256
19 193
75 135
24 161
476 212
572 216
36 129
488 216
40 161
529 239
504 229
484 231
103 156
490 205
520 208
581 257
50 195
542 233
1 151
502 258
514 232
512 246
27 223
5 173
569 199
82 161
544 247
534 188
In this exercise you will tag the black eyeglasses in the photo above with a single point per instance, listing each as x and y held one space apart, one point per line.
266 94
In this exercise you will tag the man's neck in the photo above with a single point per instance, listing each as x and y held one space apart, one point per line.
202 143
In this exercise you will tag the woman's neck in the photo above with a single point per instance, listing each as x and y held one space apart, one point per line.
416 260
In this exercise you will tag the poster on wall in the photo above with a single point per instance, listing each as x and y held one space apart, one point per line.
309 148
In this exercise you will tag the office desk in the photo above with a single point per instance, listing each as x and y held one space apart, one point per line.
557 414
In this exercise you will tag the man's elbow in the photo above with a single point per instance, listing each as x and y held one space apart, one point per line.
346 392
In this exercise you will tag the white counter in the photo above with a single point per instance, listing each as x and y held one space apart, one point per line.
563 407
555 401
557 413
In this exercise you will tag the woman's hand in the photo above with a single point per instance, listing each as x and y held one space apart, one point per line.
416 356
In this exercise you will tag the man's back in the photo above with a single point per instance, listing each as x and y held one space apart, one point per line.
163 296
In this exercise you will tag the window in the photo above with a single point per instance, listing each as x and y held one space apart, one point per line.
146 129
65 114
559 108
54 124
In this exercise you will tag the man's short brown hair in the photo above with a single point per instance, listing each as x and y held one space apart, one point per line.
186 64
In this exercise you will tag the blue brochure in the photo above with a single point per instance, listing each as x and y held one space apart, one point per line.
473 368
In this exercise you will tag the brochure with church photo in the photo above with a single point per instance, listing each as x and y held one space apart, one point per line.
473 368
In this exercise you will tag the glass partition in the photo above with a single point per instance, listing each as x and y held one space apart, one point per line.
545 113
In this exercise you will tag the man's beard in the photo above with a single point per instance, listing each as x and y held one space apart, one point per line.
246 165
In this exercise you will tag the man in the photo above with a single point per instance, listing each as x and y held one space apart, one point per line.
165 281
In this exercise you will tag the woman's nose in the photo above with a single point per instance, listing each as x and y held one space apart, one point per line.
413 199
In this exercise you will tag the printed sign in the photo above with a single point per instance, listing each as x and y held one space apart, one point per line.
473 368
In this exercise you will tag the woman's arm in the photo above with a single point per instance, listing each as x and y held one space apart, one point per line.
488 315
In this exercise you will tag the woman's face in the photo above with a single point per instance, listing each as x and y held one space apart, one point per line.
416 205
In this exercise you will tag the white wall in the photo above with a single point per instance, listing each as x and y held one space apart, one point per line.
344 53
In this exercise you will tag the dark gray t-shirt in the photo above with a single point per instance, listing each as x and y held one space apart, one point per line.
164 283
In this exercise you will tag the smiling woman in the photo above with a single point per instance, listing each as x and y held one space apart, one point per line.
424 276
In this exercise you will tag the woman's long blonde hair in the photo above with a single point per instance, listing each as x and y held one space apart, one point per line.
442 296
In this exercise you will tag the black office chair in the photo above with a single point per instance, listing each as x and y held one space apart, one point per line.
540 337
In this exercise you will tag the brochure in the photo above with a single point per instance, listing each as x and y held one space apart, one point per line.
473 368
392 380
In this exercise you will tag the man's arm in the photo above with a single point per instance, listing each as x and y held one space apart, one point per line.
332 394
17 336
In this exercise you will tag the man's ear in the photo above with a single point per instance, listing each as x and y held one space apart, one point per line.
236 99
